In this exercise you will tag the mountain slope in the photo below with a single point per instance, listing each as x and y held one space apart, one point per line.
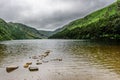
15 31
104 23
5 33
50 33
21 31
46 33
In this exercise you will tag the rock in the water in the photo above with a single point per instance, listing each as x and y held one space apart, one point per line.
43 55
29 63
11 68
33 69
48 51
45 61
26 66
58 59
38 63
34 57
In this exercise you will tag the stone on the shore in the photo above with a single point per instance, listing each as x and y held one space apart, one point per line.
11 68
33 69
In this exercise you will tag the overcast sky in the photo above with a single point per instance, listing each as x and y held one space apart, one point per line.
48 14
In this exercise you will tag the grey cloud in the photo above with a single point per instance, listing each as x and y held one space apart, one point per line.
50 14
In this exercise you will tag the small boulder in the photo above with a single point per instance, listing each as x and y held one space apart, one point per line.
44 55
37 60
45 61
29 63
33 69
34 57
38 63
11 68
26 66
48 51
58 59
41 57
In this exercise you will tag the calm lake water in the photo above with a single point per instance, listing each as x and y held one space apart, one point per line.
81 60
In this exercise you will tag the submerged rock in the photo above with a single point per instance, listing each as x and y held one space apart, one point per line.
44 55
34 57
33 69
29 63
38 63
41 57
11 68
48 51
45 61
58 59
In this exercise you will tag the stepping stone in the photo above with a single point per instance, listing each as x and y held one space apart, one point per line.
26 66
38 63
33 69
48 51
34 57
45 61
29 63
56 59
11 68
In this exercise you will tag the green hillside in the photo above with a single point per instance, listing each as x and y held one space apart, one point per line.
104 23
9 31
46 33
5 33
50 33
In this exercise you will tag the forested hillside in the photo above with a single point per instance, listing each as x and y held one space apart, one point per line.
9 31
102 24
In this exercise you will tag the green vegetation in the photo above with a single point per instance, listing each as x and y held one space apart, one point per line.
9 31
5 33
50 33
102 24
46 33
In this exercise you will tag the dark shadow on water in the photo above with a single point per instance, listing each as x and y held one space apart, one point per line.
98 52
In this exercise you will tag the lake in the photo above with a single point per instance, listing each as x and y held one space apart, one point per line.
81 60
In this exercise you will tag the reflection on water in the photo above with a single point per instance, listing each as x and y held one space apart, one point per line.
81 60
